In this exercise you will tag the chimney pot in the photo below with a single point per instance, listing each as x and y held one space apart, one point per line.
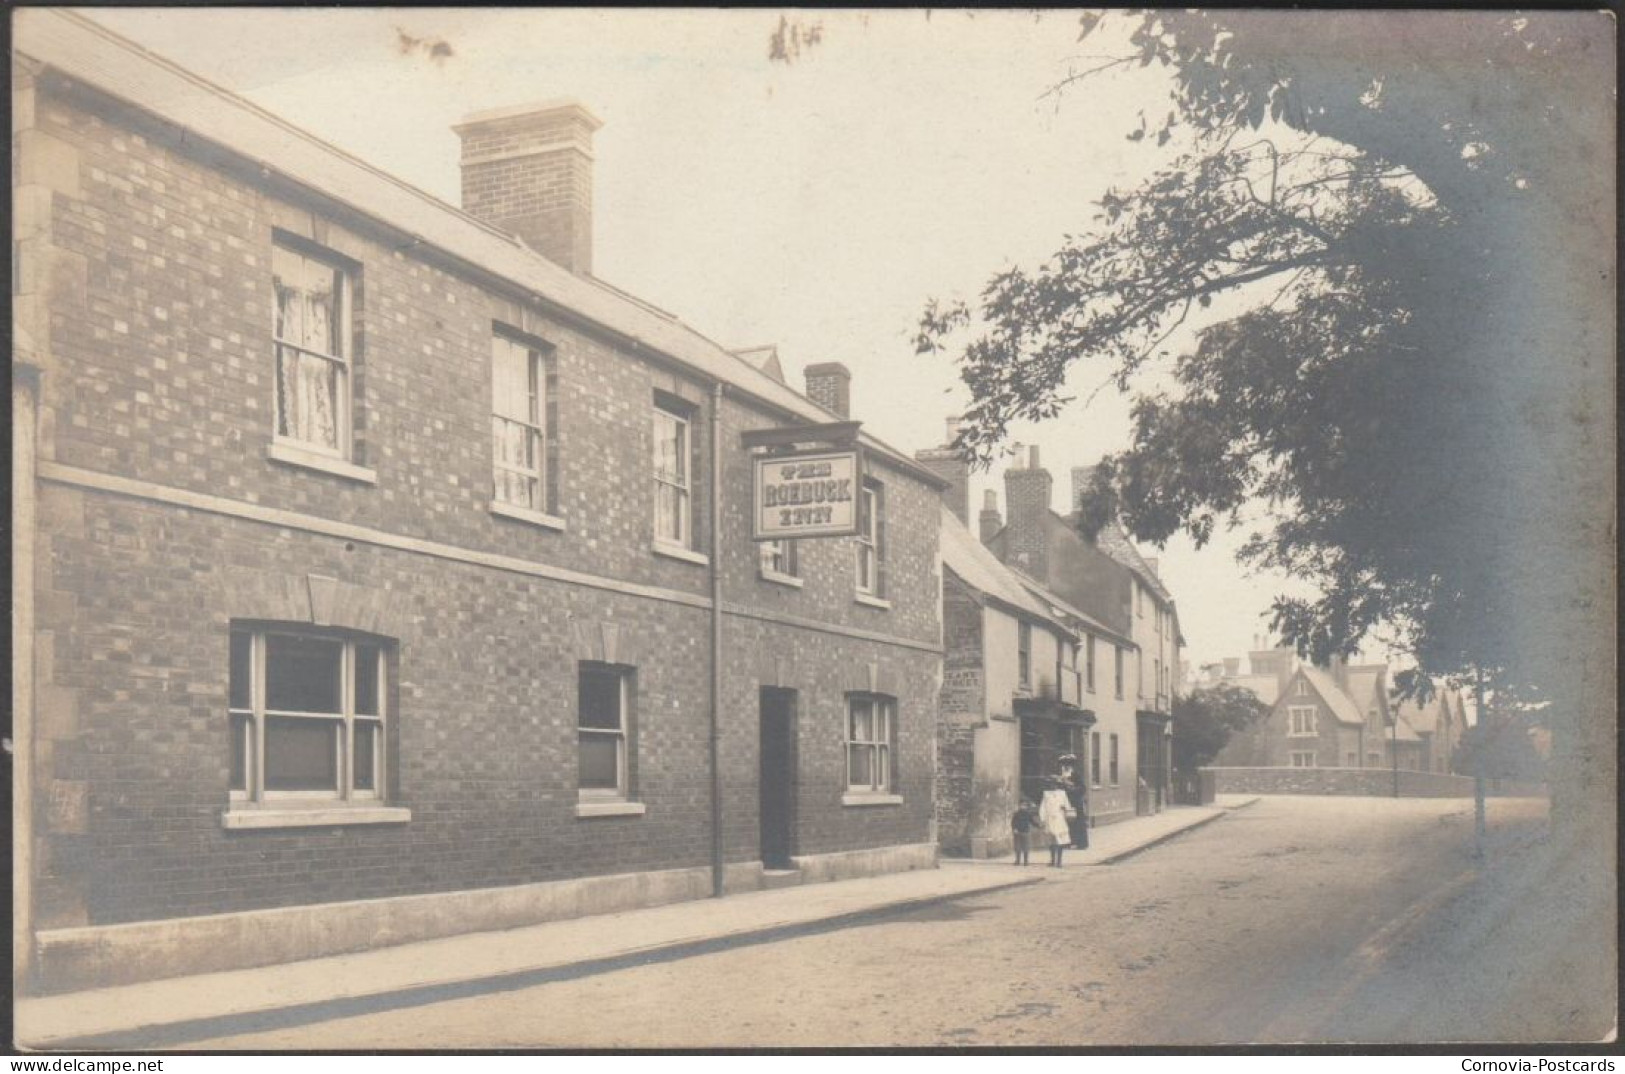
528 170
1032 458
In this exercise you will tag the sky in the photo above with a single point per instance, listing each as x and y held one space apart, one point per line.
816 205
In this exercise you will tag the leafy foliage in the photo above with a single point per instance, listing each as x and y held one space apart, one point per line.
1396 216
1205 718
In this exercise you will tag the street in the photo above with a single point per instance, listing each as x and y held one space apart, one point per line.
1296 919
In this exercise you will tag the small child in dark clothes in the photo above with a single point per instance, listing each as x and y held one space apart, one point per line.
1022 823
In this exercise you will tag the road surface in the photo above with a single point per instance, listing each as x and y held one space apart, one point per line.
1293 920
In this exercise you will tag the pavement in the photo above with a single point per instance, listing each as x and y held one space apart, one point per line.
181 1011
1113 843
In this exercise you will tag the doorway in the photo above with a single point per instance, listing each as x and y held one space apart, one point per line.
778 776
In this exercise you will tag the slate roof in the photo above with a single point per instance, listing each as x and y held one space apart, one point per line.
1342 706
96 56
980 569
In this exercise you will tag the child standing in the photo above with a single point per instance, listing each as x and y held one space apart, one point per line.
1022 822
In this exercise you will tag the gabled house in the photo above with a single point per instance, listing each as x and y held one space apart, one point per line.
1336 717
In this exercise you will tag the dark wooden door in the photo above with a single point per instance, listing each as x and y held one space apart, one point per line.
778 777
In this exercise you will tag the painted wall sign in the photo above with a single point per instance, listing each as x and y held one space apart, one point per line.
812 494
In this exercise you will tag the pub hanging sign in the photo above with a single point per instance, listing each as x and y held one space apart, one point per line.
807 494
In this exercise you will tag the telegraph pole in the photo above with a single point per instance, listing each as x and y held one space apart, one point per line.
1478 763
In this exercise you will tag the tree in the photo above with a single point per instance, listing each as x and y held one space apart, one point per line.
1404 208
1205 718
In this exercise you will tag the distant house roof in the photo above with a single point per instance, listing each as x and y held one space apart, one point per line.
1342 706
1368 687
980 569
1081 573
90 53
1427 717
1060 607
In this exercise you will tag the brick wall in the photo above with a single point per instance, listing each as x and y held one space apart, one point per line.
158 371
962 707
1365 782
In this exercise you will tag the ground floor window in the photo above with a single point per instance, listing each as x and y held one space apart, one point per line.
1094 756
1114 761
871 727
1303 760
307 714
604 695
1352 760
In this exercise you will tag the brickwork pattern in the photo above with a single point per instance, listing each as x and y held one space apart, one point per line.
164 374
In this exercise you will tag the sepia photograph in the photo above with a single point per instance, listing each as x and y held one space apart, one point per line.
701 530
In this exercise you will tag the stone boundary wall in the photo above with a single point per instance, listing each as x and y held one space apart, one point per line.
1367 782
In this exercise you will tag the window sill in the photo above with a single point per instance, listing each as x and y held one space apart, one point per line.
293 455
866 798
781 579
238 819
610 809
872 601
525 514
675 551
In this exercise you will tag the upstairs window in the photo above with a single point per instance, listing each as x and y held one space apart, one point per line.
672 475
518 434
310 332
1303 719
1024 654
307 715
871 540
1089 664
1117 654
779 559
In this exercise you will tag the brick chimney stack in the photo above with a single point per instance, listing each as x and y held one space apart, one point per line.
1027 496
947 463
829 384
989 522
528 170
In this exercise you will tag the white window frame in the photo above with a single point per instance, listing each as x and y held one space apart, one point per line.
1024 654
881 743
252 742
1303 759
535 425
342 431
780 560
1117 670
1094 758
1301 688
1089 648
682 484
1301 721
622 791
867 548
1115 769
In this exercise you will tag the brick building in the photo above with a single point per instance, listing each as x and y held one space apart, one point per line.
379 577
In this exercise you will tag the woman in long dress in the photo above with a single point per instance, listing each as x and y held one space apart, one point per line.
1052 816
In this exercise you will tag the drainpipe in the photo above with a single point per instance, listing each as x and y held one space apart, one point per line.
716 639
25 412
